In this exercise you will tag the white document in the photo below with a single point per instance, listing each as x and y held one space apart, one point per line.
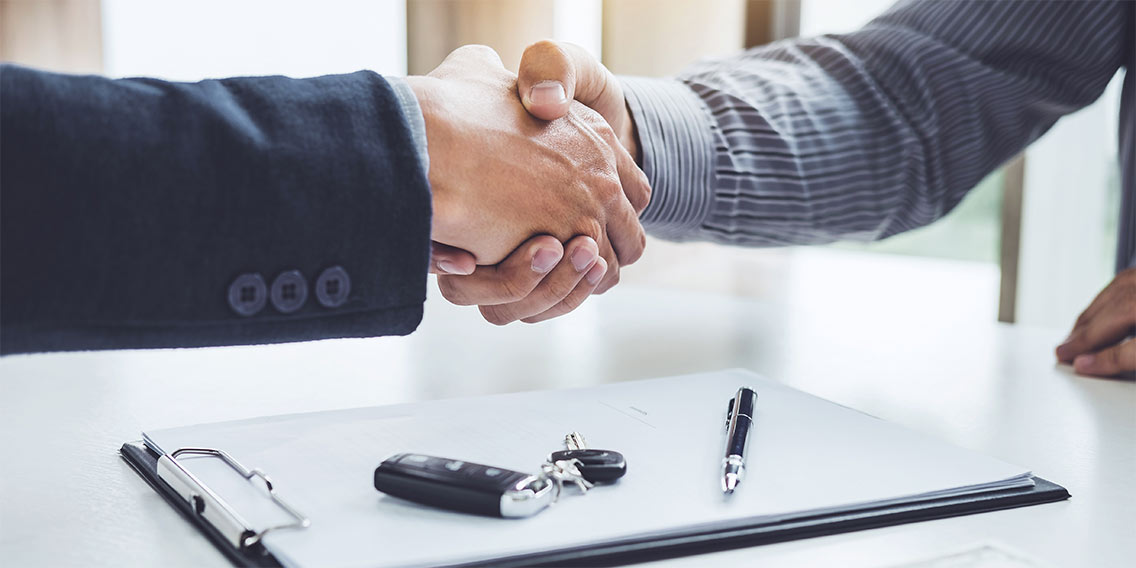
805 454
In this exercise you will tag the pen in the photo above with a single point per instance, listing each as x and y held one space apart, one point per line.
739 420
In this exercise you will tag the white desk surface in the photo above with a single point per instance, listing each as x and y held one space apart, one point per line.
66 498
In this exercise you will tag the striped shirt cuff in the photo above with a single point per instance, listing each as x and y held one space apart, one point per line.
677 149
413 113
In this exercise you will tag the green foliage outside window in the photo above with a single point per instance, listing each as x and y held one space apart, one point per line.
972 231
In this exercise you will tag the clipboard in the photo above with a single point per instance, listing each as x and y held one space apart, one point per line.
144 461
242 545
217 520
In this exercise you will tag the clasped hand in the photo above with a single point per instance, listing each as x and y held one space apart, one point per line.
564 189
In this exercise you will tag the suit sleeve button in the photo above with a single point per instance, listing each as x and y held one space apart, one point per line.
289 291
333 287
247 294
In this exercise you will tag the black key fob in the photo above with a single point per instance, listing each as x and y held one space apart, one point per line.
597 466
464 486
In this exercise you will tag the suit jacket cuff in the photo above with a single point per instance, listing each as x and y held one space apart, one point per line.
414 119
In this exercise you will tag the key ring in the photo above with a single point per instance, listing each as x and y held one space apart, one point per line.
549 471
559 473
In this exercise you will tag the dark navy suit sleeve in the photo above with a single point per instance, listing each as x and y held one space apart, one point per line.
142 213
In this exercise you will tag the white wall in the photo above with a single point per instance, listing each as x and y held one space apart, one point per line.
190 40
579 22
1067 254
838 16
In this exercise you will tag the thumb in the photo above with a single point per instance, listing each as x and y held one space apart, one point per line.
546 80
553 73
549 68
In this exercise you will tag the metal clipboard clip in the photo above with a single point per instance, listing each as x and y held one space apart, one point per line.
212 508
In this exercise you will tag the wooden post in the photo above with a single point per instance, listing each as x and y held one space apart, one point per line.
770 20
1011 246
434 28
660 37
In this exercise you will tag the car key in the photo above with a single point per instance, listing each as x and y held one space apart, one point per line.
596 466
566 471
465 486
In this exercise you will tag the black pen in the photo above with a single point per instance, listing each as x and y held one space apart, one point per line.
739 420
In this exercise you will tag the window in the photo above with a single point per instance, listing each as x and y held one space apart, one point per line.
972 231
1071 199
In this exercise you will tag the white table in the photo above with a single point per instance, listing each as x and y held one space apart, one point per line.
67 498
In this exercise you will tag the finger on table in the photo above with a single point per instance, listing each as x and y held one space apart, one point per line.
1108 327
1122 286
1115 360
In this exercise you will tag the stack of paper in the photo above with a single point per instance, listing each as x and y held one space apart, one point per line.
805 455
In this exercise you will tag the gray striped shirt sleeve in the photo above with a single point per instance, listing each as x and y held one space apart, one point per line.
864 135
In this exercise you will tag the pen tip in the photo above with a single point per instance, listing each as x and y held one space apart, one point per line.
729 483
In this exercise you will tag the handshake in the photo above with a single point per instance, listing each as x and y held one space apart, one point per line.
536 197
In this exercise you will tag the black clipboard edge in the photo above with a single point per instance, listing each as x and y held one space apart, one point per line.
144 462
651 549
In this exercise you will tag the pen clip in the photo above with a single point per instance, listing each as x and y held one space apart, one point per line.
730 412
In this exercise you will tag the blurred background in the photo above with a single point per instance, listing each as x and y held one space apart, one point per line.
1032 244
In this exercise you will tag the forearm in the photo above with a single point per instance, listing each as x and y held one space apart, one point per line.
868 134
130 208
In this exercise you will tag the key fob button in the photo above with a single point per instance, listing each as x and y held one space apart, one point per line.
491 477
463 486
441 465
476 472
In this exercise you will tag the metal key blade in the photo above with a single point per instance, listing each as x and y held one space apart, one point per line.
575 441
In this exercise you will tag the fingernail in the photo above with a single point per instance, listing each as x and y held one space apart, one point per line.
449 267
547 93
1065 351
583 258
596 273
545 259
1060 351
1084 362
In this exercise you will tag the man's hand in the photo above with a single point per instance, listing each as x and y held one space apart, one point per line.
1101 342
500 176
532 284
551 75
